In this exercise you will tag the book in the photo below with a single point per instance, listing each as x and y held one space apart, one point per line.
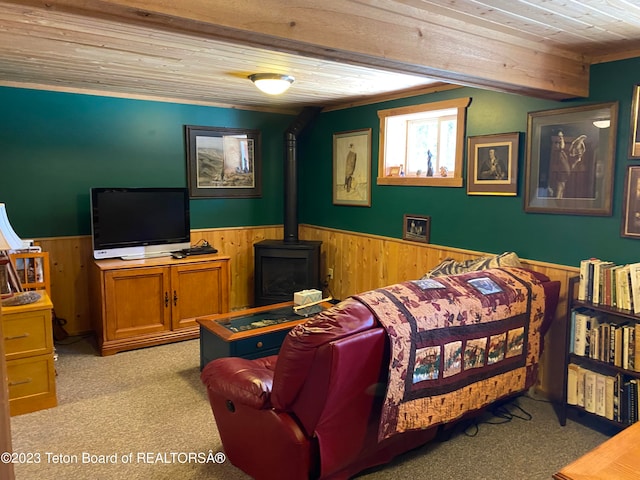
572 332
606 284
637 347
633 400
632 348
598 267
600 408
626 331
605 329
619 350
580 338
586 269
609 397
582 373
590 391
614 285
572 384
594 340
623 288
584 278
634 274
617 388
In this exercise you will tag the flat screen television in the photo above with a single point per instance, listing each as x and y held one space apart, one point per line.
133 223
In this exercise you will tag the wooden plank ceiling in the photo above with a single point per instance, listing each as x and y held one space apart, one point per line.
340 52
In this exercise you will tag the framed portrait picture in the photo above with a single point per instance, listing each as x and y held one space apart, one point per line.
570 157
492 165
634 140
631 203
416 228
223 162
352 168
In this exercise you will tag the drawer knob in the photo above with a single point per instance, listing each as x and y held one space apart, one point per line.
16 337
259 344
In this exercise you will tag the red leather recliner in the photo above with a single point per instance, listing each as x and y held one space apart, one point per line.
313 410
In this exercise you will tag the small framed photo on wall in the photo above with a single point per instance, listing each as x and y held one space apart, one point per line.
416 228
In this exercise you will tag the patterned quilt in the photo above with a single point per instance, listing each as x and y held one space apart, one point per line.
458 343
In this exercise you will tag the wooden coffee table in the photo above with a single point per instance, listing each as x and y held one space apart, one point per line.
251 333
616 459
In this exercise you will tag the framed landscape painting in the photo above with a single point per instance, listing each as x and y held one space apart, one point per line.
223 162
570 157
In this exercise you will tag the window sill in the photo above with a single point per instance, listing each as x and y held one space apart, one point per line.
420 181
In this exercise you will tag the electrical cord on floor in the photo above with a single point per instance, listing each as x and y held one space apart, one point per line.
501 413
71 339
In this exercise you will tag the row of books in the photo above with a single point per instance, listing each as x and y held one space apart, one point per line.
611 396
593 335
605 283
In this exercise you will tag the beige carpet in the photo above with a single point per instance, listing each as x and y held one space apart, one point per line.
148 408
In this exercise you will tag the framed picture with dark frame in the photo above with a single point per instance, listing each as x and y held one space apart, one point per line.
631 203
570 157
352 168
492 164
223 162
416 228
634 140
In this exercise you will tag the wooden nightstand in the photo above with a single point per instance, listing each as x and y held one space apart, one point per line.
28 341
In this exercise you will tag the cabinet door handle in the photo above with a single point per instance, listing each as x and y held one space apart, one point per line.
16 337
166 299
19 382
175 298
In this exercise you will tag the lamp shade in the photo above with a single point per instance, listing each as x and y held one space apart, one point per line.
8 238
272 83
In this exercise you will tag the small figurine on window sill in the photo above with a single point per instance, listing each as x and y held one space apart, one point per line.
444 171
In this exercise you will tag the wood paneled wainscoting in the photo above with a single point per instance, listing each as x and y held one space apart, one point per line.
71 257
360 262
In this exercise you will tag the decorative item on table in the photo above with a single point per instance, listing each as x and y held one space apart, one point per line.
307 302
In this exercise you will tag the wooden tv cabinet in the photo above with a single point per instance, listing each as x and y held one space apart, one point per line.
141 303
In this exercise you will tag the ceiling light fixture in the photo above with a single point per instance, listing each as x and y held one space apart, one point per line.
272 83
602 123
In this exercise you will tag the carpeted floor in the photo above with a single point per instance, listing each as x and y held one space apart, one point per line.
144 415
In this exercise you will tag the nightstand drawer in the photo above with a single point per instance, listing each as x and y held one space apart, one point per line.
27 334
31 384
258 344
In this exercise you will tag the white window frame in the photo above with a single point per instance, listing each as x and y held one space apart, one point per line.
388 177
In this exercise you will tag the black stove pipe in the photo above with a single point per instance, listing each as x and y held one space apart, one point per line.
291 173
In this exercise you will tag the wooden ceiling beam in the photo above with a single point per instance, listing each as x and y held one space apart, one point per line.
385 34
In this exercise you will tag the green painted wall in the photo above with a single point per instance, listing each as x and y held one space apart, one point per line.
55 146
485 223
